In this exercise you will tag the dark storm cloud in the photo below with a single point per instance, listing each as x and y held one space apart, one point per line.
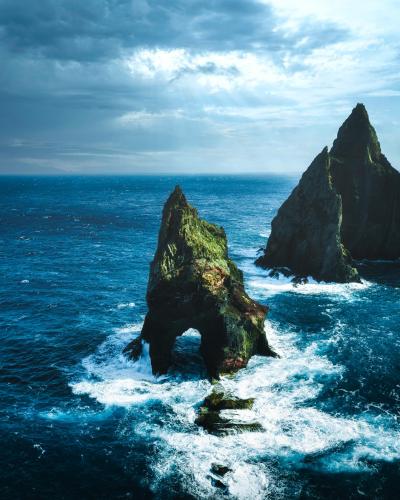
66 82
92 30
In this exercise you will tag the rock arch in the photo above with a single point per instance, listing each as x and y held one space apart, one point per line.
194 284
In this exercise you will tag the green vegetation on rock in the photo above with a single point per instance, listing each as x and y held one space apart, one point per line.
210 417
194 284
222 400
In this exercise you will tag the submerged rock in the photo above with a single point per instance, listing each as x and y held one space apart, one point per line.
220 470
193 284
346 205
218 473
212 418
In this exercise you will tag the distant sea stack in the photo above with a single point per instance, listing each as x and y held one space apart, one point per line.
193 284
346 205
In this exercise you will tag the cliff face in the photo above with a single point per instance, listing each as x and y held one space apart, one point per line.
370 190
347 204
193 284
305 234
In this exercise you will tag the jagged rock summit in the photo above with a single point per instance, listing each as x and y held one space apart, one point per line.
346 205
193 284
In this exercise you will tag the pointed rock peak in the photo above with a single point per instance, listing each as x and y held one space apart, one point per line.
360 111
324 154
177 191
358 117
357 137
176 199
319 164
177 194
179 221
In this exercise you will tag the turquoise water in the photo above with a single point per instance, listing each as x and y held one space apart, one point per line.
80 421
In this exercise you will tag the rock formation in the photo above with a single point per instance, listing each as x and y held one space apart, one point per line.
211 419
370 190
193 284
346 205
305 234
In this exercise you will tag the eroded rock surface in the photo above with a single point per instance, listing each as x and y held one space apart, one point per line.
194 284
346 205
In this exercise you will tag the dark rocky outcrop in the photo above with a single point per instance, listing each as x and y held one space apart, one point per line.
370 190
220 470
211 419
218 473
193 284
346 205
305 234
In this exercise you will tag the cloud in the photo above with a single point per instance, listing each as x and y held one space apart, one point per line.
130 85
144 118
213 70
101 29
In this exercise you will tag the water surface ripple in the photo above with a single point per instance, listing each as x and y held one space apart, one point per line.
78 420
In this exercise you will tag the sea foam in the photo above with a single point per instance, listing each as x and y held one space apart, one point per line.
295 431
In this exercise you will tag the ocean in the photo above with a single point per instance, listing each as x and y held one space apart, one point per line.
78 420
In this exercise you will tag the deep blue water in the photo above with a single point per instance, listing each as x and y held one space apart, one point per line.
80 421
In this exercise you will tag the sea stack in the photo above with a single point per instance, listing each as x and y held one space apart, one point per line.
194 284
346 205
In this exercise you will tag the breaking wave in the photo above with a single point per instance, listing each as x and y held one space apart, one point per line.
297 432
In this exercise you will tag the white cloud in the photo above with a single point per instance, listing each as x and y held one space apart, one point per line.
271 101
385 93
364 17
215 71
146 119
336 71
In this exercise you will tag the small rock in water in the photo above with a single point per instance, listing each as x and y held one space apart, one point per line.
219 484
134 349
211 420
222 400
220 470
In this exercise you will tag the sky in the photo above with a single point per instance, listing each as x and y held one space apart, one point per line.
191 86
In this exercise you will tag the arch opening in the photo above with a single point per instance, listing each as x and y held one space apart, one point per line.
186 356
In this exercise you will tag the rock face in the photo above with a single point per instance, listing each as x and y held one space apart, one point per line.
193 284
305 234
347 204
370 190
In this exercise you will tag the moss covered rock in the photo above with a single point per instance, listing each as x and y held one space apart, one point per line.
346 205
221 400
194 284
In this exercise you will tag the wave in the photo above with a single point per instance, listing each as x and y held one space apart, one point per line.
261 285
110 377
265 286
296 431
125 305
129 328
